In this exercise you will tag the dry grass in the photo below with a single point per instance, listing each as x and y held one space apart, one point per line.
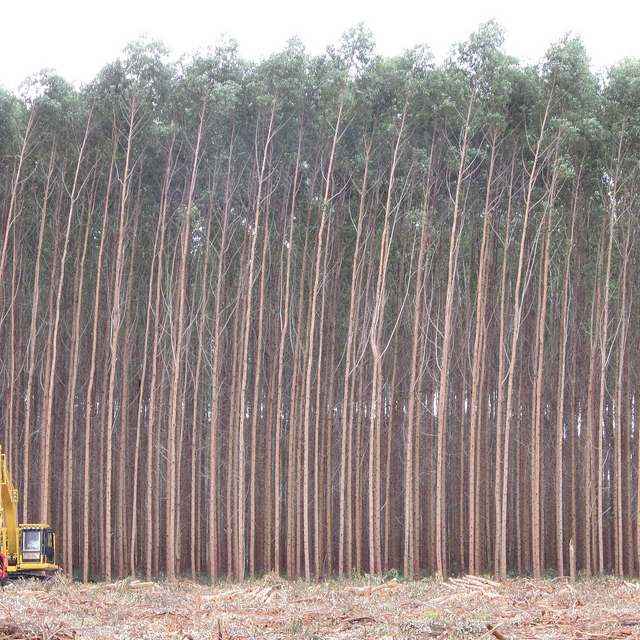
271 609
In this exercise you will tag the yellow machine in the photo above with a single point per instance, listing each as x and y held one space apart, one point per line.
25 549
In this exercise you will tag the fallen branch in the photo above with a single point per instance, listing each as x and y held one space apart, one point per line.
267 593
482 581
494 631
474 584
359 620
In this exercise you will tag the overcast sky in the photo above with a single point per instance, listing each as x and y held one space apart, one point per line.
78 37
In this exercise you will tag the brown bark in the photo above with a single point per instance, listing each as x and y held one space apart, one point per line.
154 391
377 350
89 398
33 337
445 356
320 244
347 405
216 375
178 340
561 393
477 375
284 329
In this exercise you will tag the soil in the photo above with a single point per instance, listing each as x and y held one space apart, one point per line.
272 609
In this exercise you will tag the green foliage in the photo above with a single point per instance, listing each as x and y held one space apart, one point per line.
12 113
355 52
55 101
622 103
566 70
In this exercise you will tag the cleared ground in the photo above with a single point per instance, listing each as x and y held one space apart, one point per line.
599 609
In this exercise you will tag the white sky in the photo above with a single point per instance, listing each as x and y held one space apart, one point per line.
78 37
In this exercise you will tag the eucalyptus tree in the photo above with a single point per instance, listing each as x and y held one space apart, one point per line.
378 341
127 91
567 78
575 146
179 338
471 75
60 128
623 124
320 248
17 127
33 333
333 99
207 98
281 84
205 102
50 378
494 81
536 196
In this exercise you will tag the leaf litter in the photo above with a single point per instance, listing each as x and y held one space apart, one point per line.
273 609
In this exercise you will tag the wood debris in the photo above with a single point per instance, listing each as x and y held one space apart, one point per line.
120 584
495 632
423 610
467 586
264 594
12 631
387 587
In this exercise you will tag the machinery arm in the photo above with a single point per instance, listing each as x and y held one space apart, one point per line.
8 505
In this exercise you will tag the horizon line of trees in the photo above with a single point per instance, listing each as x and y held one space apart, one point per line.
325 315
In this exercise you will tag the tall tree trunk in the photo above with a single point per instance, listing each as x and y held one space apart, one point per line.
48 400
619 410
477 373
377 350
154 392
33 336
88 534
197 399
114 334
310 347
561 393
604 358
256 400
346 427
447 346
68 482
515 333
284 329
216 366
179 339
142 406
538 386
501 416
245 340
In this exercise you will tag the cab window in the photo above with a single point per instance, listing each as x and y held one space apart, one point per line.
31 541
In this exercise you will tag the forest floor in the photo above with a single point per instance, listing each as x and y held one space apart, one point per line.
272 609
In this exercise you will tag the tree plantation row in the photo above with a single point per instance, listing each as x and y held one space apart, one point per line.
327 314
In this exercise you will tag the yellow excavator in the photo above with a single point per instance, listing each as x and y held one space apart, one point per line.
25 549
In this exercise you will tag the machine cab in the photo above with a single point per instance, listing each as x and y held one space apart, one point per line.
37 547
